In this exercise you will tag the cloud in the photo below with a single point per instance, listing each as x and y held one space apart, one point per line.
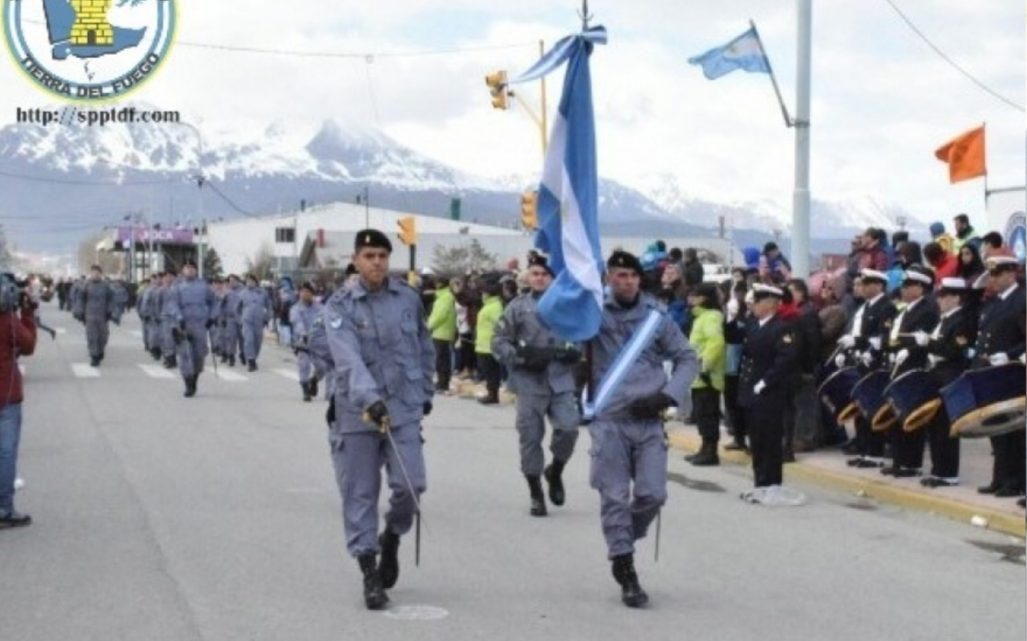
882 100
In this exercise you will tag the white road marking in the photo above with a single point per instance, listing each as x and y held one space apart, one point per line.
417 613
61 330
21 368
85 370
228 375
290 374
138 333
157 371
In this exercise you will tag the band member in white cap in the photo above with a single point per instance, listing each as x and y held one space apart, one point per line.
947 347
920 314
767 357
863 347
1000 340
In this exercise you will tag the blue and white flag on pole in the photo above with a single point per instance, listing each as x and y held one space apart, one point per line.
568 199
744 52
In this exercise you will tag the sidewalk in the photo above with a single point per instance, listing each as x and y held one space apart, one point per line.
827 468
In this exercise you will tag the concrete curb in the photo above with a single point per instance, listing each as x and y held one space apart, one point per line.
997 520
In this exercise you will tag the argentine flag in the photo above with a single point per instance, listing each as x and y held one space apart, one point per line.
744 52
568 200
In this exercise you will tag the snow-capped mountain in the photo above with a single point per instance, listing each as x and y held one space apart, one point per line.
64 183
830 219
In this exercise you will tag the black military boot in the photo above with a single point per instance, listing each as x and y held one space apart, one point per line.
388 564
305 386
374 594
707 455
553 474
231 360
252 367
313 387
190 386
631 593
538 499
94 361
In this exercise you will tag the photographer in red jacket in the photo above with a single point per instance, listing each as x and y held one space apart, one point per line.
17 338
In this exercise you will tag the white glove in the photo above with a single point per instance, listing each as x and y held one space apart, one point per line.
875 342
901 357
759 387
1000 358
922 338
847 342
839 361
867 359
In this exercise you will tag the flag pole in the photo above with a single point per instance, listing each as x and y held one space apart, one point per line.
801 195
773 80
984 133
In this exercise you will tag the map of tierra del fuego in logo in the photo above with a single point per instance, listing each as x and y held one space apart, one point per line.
89 49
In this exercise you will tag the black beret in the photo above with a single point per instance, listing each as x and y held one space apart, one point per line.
371 238
351 269
622 259
309 286
538 260
190 263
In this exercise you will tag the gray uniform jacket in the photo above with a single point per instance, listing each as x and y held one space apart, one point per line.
95 301
254 306
382 351
192 302
143 308
302 318
232 305
646 376
520 325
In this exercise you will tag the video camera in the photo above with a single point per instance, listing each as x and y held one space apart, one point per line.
13 293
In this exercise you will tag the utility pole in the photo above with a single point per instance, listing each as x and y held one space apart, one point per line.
801 196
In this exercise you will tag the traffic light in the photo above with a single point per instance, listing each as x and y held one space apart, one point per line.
529 210
496 82
407 230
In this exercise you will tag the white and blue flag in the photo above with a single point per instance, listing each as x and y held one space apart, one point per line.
568 199
744 52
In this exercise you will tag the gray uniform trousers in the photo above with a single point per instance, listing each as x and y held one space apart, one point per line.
532 409
97 333
629 469
358 458
231 338
252 339
192 350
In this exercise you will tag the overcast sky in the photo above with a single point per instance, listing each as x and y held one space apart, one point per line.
882 100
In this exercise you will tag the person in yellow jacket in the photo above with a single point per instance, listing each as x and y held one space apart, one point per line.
489 314
707 338
442 325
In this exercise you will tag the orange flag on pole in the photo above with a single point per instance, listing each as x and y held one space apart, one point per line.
964 155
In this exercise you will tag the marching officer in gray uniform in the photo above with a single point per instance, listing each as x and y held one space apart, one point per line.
232 336
628 440
95 307
302 316
142 308
254 312
192 308
217 329
542 377
384 363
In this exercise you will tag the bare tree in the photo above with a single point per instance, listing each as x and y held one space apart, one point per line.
463 259
260 265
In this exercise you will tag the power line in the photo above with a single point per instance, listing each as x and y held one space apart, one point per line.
949 60
366 55
231 203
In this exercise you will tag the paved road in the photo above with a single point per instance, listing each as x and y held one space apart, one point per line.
217 518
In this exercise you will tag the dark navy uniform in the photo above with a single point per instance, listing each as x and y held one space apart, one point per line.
1001 331
947 347
768 356
921 315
